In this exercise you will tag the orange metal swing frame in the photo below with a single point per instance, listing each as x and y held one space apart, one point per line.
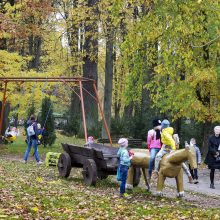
77 80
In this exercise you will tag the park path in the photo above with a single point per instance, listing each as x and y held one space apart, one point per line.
199 194
203 185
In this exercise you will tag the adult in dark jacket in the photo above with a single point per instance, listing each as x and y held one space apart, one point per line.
32 140
213 156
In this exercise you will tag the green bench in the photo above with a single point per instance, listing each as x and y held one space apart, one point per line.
132 142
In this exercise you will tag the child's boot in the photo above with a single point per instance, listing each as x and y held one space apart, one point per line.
212 186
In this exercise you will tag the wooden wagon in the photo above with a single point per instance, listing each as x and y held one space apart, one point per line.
97 161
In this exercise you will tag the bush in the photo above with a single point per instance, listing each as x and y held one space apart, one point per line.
48 119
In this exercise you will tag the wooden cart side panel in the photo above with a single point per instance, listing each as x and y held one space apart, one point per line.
104 157
74 149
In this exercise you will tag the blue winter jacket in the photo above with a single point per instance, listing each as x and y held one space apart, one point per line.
124 156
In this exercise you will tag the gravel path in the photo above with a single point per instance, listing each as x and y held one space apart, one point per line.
199 194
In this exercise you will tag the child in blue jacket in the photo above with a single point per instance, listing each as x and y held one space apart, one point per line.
125 162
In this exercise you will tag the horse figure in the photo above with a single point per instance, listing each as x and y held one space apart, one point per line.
170 166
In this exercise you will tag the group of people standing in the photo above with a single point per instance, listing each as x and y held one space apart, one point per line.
162 140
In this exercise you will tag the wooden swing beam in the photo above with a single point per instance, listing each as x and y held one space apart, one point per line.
78 80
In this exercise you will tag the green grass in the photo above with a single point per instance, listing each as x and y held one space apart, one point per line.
33 192
29 191
18 147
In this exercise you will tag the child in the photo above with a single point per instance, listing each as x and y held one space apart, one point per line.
90 140
154 144
194 172
167 141
11 134
170 142
125 162
40 133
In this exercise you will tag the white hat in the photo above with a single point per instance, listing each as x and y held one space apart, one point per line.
38 126
123 142
217 129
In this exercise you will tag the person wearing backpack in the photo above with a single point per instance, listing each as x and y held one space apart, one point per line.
32 139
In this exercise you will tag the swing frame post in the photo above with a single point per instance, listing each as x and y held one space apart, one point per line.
83 110
3 106
102 113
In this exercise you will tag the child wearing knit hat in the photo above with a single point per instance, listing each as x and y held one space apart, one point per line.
125 162
167 141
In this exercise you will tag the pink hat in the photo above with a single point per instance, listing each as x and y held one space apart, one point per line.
90 139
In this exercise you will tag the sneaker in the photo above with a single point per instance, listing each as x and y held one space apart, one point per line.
24 161
39 162
212 186
125 196
196 181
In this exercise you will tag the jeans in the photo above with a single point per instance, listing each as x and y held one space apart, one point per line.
159 156
124 175
153 153
194 173
30 143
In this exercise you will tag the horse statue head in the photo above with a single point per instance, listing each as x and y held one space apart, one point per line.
180 156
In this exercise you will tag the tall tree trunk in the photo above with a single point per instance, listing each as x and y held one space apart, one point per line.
5 123
109 63
72 29
206 133
90 68
128 110
74 113
3 44
116 102
35 51
178 126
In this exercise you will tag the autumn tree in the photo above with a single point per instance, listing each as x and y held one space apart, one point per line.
184 81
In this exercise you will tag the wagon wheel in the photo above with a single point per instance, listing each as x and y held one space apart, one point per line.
102 175
90 172
136 177
64 165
